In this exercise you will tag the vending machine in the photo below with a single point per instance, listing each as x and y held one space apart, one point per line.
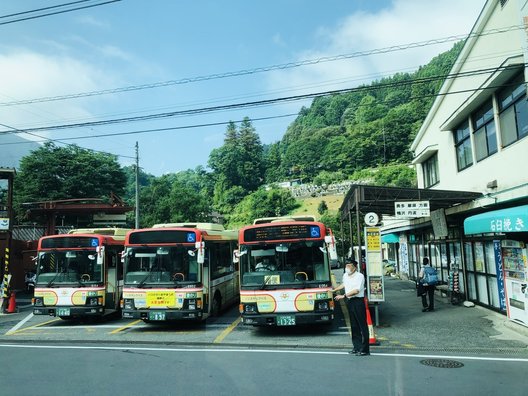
515 267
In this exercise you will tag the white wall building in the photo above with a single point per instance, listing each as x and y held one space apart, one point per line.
475 138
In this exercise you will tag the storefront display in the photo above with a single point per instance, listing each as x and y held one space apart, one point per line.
515 268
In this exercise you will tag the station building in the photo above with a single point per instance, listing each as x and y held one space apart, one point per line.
471 158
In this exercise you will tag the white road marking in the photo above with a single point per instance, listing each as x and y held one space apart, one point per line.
224 350
19 324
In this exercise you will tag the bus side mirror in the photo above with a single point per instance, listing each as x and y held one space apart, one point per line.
331 247
200 250
100 254
236 256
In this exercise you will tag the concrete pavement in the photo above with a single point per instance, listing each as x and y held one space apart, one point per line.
450 328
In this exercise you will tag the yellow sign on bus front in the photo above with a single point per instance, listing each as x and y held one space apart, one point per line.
161 299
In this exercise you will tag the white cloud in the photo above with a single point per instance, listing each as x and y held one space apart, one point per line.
25 74
277 40
405 21
91 21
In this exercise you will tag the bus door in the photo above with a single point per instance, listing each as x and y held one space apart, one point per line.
111 297
204 262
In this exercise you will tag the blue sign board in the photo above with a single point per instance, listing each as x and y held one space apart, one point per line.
500 275
191 237
498 221
315 232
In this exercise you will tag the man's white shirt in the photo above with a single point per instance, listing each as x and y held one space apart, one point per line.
354 281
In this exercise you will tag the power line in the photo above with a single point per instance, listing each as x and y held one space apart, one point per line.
193 126
56 141
243 105
54 12
264 68
44 8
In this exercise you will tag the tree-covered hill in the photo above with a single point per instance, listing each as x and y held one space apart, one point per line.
369 126
363 134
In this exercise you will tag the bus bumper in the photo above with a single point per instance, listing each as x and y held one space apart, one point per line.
161 315
299 318
70 312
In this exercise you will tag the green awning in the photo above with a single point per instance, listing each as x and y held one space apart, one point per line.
504 220
390 238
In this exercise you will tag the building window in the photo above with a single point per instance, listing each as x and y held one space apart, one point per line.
463 147
513 109
485 132
430 171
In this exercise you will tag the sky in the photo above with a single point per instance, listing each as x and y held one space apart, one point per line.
194 56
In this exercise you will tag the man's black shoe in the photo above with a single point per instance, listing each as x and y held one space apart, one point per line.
425 310
353 352
430 309
362 353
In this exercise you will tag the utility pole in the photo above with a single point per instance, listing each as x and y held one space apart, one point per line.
137 185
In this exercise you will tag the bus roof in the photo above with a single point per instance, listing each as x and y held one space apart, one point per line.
199 226
264 220
117 233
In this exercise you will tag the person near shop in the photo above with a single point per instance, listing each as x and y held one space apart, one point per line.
428 290
354 285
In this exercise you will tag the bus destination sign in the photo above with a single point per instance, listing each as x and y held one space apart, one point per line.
162 236
69 242
282 232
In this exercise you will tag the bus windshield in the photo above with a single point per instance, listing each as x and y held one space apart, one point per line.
296 264
168 265
79 267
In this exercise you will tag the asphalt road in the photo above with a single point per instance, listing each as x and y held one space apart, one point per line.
143 370
403 328
475 352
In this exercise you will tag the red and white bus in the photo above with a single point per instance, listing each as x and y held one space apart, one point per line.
79 274
180 271
285 276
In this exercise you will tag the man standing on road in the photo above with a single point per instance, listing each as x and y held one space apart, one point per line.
429 289
354 285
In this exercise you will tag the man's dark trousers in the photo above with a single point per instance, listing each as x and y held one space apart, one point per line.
358 323
429 291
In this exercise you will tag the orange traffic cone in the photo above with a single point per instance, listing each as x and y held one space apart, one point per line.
11 308
372 336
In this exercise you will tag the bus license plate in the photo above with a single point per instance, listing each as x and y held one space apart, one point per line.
286 320
156 315
63 311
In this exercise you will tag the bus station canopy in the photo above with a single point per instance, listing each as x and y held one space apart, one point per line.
380 199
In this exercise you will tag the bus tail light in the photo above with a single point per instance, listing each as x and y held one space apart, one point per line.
37 301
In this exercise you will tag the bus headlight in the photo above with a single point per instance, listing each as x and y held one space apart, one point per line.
250 308
128 303
321 306
192 304
94 301
38 302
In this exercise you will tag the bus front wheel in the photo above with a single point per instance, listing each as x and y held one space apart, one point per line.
217 305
